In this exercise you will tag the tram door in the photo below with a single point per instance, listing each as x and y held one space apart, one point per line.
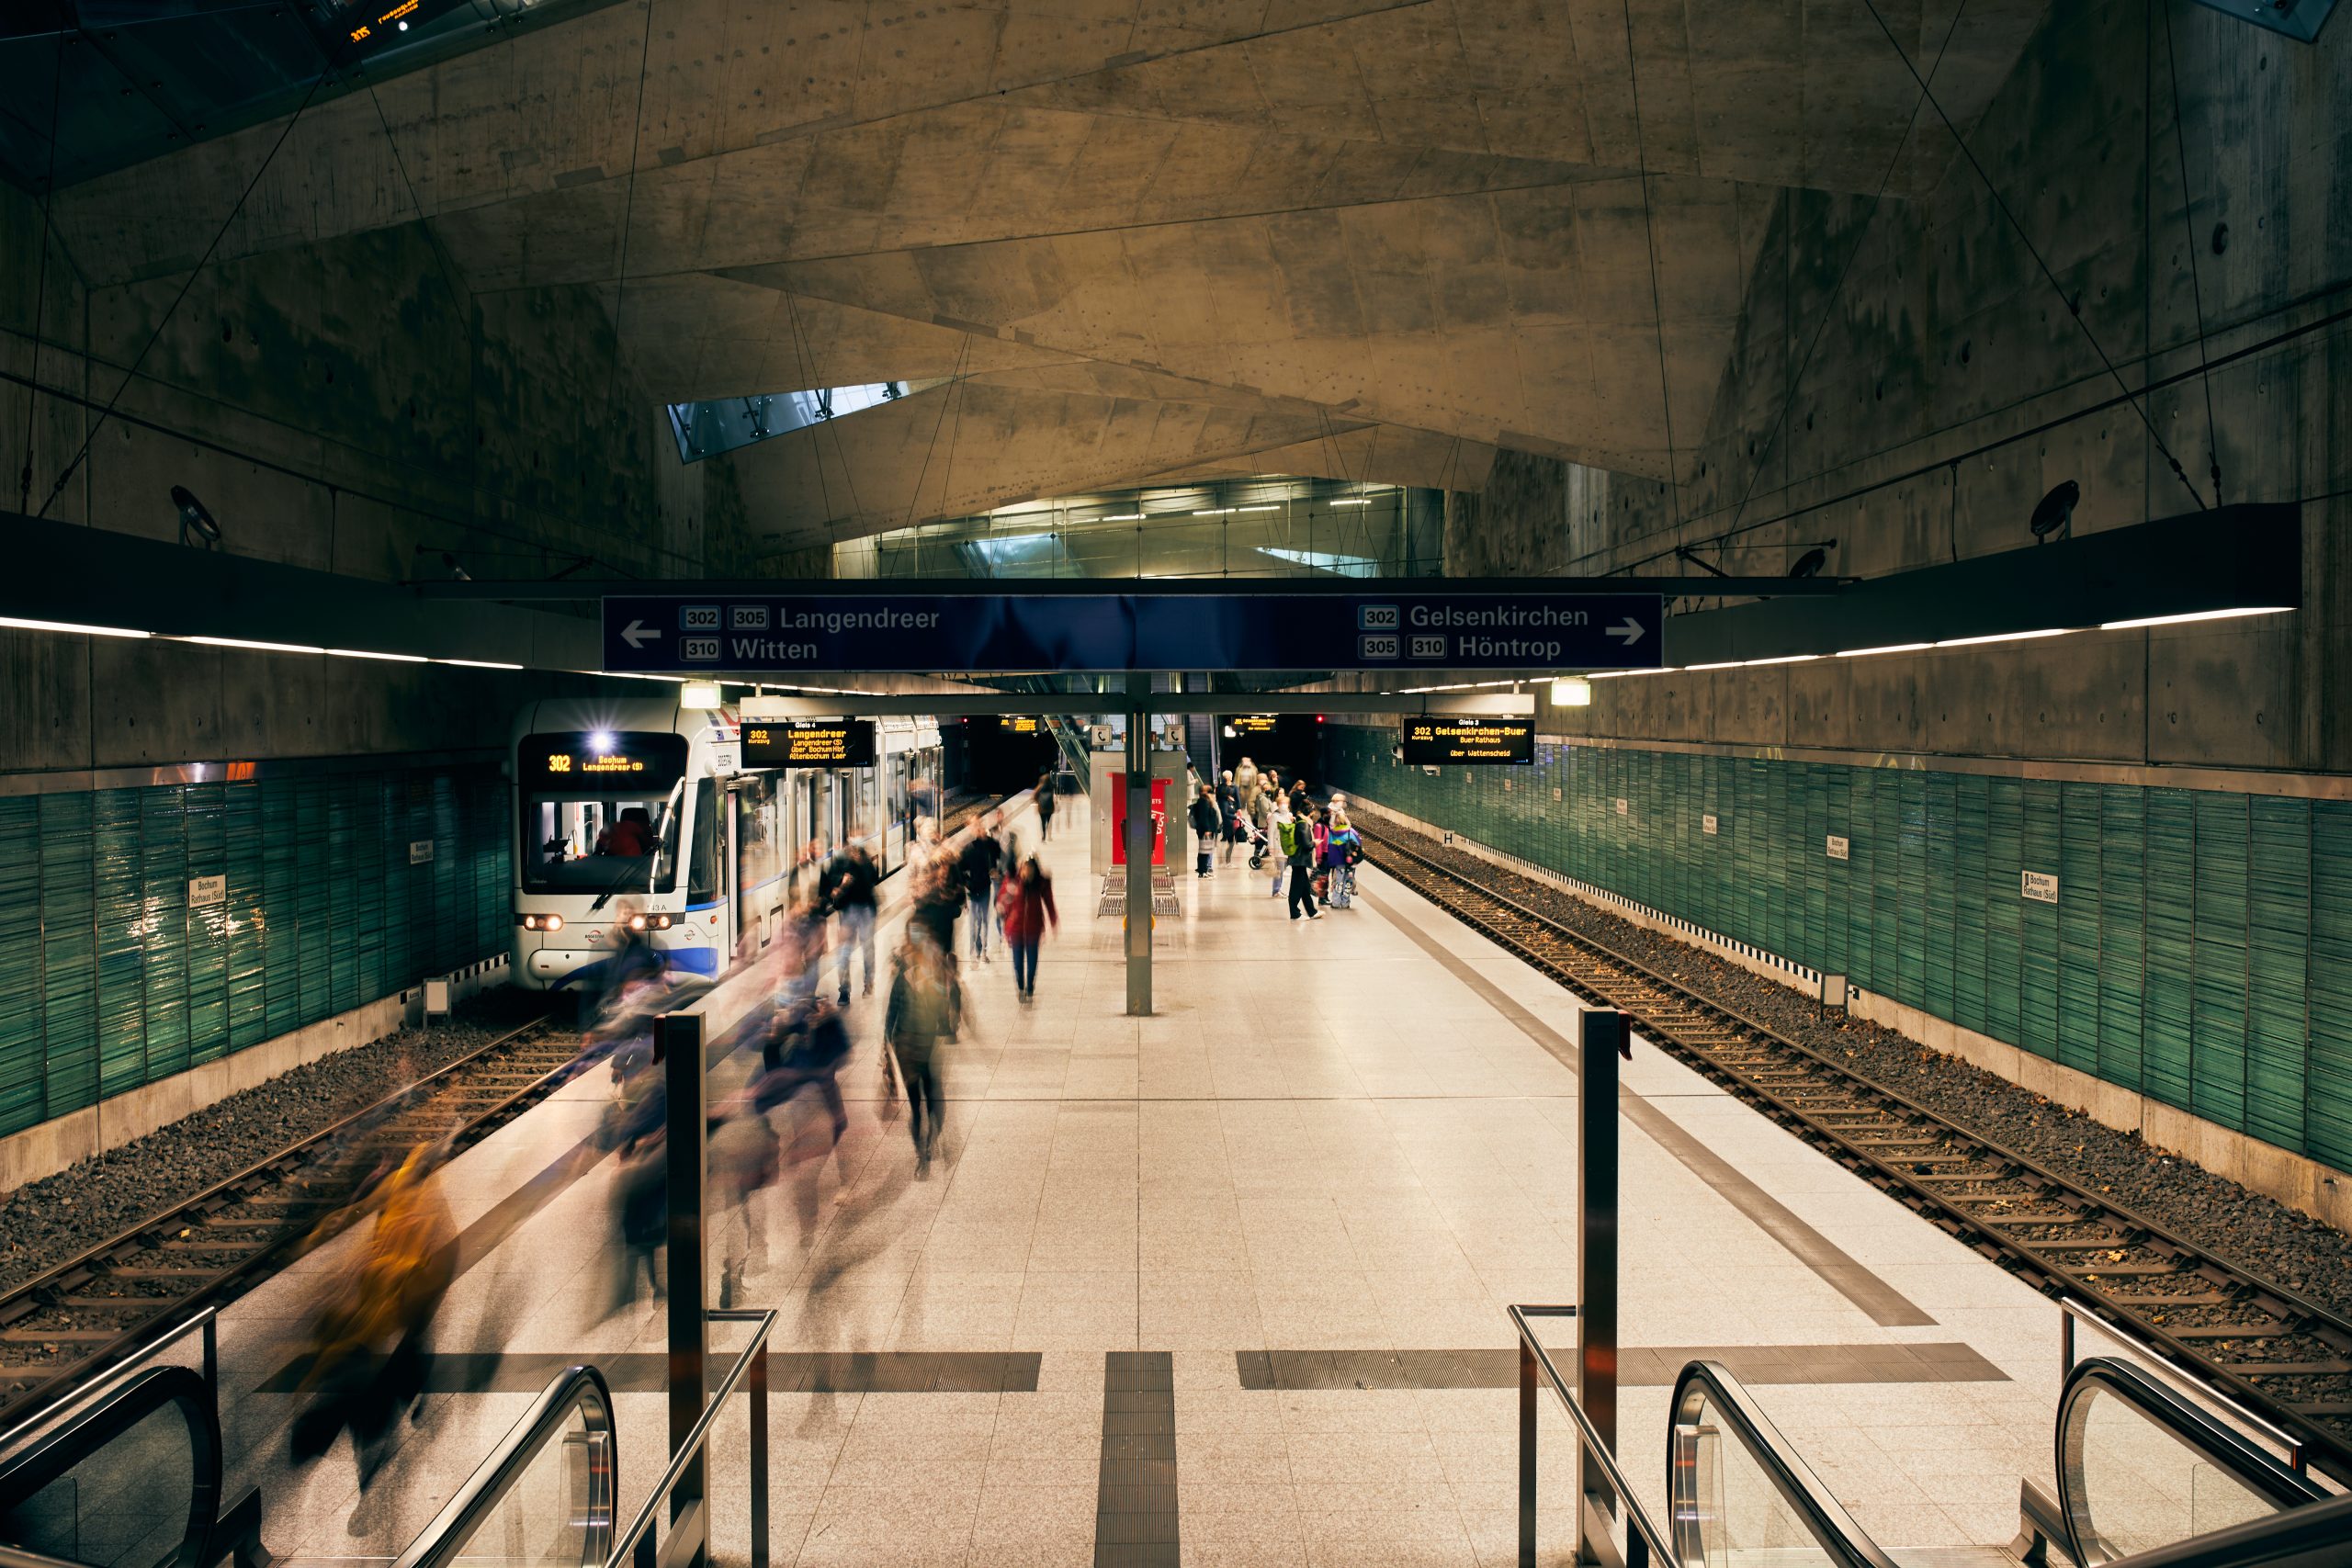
758 860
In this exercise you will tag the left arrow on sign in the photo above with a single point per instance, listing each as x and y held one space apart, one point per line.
636 632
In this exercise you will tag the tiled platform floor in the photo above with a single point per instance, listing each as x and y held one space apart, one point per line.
1343 1137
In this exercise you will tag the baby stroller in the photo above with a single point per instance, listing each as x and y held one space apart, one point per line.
1250 833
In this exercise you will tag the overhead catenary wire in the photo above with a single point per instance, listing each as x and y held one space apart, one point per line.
1649 240
2073 305
2189 239
954 382
186 283
628 212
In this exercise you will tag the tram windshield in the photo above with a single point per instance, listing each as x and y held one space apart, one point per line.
600 811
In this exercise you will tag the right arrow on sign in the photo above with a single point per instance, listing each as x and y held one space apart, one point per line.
1628 630
637 631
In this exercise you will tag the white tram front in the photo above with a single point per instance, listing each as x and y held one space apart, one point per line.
641 810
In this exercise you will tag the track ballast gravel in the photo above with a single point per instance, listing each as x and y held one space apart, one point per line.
49 1221
2257 1234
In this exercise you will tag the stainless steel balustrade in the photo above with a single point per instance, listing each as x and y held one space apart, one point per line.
688 1538
1644 1543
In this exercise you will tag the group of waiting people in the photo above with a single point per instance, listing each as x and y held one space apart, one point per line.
1313 846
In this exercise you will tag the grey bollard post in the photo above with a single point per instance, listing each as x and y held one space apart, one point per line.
677 1040
1602 1038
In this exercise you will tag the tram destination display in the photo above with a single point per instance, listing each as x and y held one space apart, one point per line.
1246 725
808 743
1467 743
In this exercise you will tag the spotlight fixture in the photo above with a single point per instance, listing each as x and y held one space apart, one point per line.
2054 514
1571 692
1810 563
197 525
456 573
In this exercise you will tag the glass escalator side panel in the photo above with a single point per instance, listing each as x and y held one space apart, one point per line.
2141 1468
1740 1497
557 1514
545 1499
125 1504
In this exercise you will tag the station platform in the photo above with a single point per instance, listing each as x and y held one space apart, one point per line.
1312 1182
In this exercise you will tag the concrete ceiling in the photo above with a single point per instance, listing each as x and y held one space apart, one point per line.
1364 239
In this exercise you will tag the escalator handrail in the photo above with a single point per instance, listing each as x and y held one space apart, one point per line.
2310 1536
90 1427
2220 1445
582 1387
1791 1477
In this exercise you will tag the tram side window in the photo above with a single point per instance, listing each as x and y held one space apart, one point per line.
705 876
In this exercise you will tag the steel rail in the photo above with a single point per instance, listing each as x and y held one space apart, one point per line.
42 1393
2291 1313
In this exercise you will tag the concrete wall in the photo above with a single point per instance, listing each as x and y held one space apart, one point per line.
352 406
1899 359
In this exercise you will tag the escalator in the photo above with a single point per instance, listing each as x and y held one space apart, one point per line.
127 1470
2147 1479
2139 1468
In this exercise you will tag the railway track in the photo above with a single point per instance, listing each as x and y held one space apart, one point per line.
66 1327
2282 1355
63 1328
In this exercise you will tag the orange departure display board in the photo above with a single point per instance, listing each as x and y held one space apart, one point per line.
1468 741
809 743
1248 724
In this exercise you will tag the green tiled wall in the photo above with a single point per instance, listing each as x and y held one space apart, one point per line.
114 982
2200 949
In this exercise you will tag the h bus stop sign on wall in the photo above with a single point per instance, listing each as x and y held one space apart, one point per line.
918 633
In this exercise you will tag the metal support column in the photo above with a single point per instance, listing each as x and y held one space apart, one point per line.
1138 846
677 1042
1601 1041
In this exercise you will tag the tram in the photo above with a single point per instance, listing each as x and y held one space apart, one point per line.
639 810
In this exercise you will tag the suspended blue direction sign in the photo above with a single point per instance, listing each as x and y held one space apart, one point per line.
1402 628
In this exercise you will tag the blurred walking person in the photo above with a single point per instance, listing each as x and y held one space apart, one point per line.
368 1346
1043 794
979 864
926 1008
1027 902
850 889
744 1159
1245 783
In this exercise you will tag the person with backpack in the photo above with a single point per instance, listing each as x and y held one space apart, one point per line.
1297 837
1342 848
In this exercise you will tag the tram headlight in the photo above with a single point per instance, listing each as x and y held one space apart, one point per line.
542 923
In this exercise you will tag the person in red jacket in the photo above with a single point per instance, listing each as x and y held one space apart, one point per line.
1027 900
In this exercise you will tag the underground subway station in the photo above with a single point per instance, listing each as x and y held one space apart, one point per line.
1175 783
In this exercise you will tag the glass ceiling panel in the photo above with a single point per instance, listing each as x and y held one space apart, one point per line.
721 424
